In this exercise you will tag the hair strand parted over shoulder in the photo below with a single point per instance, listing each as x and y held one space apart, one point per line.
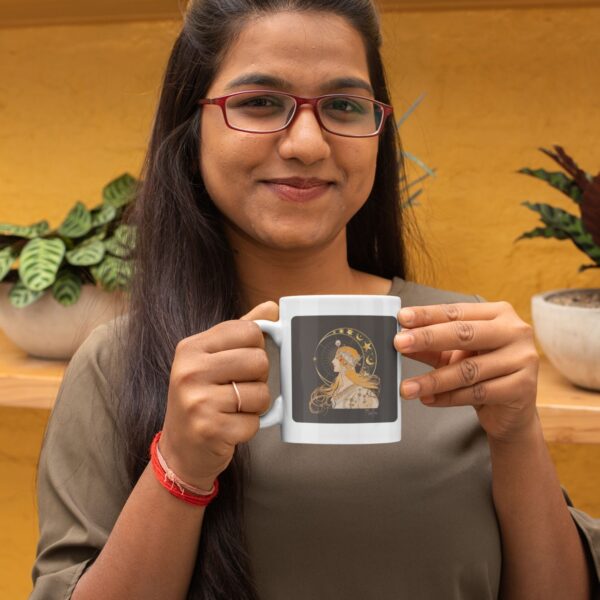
185 280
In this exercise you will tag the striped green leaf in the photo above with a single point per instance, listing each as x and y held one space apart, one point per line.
7 257
122 242
105 214
67 288
77 223
86 254
545 232
20 296
113 273
119 191
29 232
557 180
99 235
39 263
568 224
126 235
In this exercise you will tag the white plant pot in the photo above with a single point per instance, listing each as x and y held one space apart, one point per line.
570 338
47 329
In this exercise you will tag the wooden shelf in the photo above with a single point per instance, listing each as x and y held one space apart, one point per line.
569 414
27 382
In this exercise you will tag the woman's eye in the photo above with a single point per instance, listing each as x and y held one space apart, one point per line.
343 105
263 101
256 102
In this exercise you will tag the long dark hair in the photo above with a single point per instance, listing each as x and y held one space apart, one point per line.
185 279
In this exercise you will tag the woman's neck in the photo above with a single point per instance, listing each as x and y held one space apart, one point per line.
268 274
344 382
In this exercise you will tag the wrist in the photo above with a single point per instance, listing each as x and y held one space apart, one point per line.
174 484
528 435
204 482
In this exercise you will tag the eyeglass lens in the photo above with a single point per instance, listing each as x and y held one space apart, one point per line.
341 114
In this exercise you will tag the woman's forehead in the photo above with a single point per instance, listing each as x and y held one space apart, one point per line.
303 50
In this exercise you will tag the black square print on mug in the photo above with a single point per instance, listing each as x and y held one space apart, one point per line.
344 369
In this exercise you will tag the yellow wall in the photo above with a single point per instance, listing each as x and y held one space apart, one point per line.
499 85
76 104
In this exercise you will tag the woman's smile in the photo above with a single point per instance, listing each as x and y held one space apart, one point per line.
297 189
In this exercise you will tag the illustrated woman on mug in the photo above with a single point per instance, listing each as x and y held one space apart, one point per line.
273 170
351 388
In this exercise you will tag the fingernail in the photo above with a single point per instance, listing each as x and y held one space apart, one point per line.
407 315
404 340
411 389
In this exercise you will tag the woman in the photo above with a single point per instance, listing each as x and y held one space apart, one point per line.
233 215
350 389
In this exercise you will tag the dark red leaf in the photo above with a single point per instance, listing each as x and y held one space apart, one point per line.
569 165
590 209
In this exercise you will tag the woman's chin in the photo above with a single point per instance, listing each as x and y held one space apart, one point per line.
293 240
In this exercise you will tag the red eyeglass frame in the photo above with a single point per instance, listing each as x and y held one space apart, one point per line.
300 100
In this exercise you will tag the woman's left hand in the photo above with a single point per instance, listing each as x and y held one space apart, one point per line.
483 355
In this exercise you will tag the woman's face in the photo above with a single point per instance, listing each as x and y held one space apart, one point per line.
337 367
305 53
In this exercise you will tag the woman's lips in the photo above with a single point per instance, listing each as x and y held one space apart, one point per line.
297 194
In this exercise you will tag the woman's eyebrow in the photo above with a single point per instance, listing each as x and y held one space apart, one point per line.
347 82
258 79
278 83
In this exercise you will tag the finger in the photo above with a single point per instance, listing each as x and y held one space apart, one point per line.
433 359
238 428
460 335
463 373
492 391
419 316
267 310
239 365
225 336
255 397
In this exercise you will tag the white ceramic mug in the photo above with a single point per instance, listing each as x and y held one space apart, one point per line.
340 372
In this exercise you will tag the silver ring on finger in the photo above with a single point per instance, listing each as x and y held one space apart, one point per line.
237 393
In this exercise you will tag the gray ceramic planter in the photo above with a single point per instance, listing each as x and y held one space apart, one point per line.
47 329
570 338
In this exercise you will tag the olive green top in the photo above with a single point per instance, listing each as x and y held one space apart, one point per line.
413 519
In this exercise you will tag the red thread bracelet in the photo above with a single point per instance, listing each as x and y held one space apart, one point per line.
173 484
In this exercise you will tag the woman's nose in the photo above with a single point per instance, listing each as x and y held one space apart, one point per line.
304 139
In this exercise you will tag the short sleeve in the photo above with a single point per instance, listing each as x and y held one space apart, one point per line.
81 482
589 532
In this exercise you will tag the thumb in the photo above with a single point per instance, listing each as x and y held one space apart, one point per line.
267 310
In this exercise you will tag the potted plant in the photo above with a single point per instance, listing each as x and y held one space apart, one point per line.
567 322
57 285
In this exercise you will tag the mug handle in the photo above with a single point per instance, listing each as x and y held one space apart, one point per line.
274 415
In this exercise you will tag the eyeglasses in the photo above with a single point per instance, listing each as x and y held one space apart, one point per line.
265 111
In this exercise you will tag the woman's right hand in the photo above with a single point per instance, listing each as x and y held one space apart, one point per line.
202 425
